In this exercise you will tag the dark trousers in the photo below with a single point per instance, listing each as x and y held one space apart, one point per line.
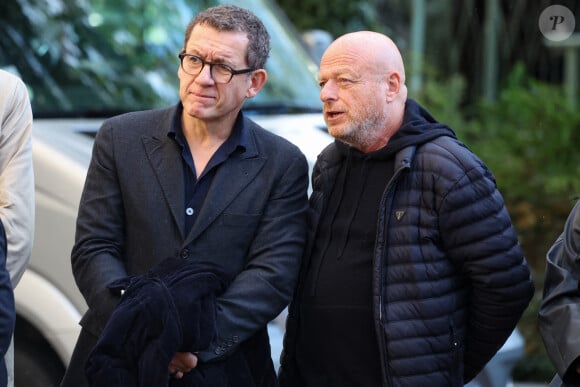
75 373
7 311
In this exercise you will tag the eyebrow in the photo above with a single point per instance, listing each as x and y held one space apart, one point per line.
340 73
218 59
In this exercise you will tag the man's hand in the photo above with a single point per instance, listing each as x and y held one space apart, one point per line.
182 363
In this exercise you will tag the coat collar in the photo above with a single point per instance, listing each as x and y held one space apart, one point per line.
231 178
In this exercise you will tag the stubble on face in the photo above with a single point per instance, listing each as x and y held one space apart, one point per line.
363 127
373 69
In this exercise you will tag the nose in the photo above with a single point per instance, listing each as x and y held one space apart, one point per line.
328 92
205 74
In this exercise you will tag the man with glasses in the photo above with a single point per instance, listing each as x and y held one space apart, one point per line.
201 182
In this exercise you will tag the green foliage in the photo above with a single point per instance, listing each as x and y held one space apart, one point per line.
340 17
119 51
528 136
443 99
534 368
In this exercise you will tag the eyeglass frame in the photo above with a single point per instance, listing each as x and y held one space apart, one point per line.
229 68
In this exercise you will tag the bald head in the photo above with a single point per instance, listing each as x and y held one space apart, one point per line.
373 49
362 80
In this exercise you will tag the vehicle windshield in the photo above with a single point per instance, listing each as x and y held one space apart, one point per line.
97 58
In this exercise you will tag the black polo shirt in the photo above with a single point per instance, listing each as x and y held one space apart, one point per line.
197 187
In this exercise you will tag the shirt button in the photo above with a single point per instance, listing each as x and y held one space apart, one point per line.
184 253
189 211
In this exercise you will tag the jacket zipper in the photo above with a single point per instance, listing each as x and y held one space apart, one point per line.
380 260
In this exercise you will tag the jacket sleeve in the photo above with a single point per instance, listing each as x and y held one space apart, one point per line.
99 240
559 314
480 238
264 287
16 174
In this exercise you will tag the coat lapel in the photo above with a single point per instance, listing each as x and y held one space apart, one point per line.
232 177
168 167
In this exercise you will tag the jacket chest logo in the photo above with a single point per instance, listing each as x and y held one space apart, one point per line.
399 214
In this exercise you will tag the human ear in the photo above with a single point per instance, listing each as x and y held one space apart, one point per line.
258 79
393 85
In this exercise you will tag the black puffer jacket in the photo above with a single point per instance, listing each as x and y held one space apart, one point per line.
450 280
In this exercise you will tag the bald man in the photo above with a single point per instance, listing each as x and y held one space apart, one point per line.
413 275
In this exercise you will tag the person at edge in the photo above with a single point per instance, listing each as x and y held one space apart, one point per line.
559 313
17 205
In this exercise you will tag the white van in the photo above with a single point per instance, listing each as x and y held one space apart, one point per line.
84 62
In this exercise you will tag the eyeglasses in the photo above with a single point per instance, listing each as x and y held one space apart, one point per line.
220 73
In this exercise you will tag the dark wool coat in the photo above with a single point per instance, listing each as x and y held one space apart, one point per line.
252 223
450 281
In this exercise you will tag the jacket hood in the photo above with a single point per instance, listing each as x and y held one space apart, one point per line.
418 127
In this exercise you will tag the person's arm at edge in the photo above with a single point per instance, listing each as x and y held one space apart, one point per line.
17 207
559 313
